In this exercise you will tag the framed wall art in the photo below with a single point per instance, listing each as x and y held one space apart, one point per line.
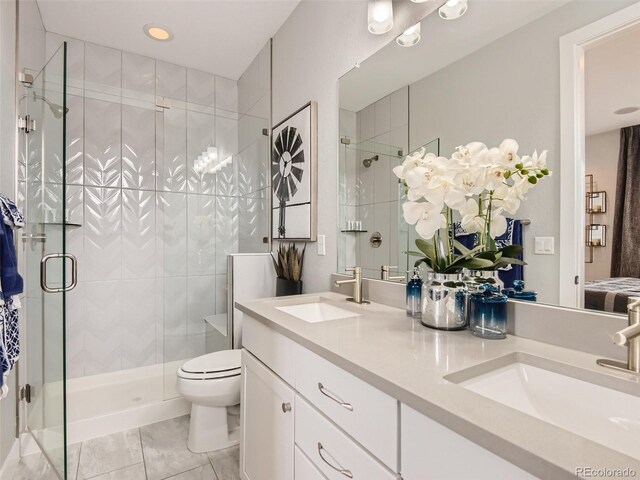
294 183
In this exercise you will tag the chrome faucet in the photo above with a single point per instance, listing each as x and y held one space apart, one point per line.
629 336
384 273
357 285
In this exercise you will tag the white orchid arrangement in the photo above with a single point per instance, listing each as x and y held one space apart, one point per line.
477 184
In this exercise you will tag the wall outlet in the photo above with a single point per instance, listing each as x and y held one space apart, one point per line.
321 245
544 246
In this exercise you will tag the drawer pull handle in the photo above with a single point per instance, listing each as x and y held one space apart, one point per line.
286 407
334 397
343 471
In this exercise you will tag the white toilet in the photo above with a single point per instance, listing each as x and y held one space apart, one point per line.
212 384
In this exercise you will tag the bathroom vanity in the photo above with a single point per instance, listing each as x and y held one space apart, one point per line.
335 390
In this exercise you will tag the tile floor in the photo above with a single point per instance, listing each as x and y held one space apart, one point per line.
154 452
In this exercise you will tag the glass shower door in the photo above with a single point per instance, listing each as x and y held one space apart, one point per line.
50 272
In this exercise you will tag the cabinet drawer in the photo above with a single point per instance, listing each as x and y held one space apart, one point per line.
305 470
336 455
364 412
273 349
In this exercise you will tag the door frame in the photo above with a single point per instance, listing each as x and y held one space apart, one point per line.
572 140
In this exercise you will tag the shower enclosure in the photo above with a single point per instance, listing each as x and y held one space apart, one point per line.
149 174
48 276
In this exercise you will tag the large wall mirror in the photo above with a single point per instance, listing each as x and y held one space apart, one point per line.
495 73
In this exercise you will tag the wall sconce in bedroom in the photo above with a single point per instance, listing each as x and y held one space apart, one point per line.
453 9
596 235
410 37
380 16
596 203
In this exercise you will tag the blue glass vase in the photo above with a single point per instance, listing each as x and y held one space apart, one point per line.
488 313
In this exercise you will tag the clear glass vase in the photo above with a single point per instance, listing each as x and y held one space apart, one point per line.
443 301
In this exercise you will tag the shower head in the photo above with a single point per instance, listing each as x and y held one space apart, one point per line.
368 161
57 110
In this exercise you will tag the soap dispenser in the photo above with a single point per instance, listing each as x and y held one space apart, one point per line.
414 295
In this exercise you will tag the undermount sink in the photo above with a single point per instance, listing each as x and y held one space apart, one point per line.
602 408
315 312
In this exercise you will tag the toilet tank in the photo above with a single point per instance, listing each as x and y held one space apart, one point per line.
250 276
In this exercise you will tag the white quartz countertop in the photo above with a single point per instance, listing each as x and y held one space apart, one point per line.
408 361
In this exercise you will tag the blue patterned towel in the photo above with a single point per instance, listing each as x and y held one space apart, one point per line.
11 282
10 213
513 235
9 340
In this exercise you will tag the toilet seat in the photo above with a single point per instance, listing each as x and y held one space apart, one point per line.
223 364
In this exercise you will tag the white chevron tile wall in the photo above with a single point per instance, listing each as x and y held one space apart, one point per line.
154 232
138 234
102 136
138 147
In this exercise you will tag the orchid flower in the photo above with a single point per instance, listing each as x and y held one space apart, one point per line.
472 221
427 217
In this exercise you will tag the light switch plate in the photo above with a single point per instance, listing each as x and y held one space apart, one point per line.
321 245
544 246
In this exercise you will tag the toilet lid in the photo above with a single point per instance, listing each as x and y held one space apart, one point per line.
225 361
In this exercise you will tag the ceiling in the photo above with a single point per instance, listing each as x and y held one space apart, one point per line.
216 36
612 81
443 42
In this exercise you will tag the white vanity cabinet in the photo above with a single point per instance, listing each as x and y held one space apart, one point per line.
431 451
305 418
267 409
344 427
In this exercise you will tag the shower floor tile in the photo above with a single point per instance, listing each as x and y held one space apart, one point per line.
153 452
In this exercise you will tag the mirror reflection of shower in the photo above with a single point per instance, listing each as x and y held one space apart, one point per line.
368 161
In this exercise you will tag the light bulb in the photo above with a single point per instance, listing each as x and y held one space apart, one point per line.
380 16
453 9
410 36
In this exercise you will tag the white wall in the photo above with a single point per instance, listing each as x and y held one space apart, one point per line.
510 89
319 42
601 155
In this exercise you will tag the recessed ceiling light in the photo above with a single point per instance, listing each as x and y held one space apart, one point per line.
626 110
410 37
158 32
453 9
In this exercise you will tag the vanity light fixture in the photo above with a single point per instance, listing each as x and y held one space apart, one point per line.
380 16
410 37
158 32
626 110
453 9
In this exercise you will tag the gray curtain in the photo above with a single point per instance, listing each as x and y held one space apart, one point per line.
625 256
